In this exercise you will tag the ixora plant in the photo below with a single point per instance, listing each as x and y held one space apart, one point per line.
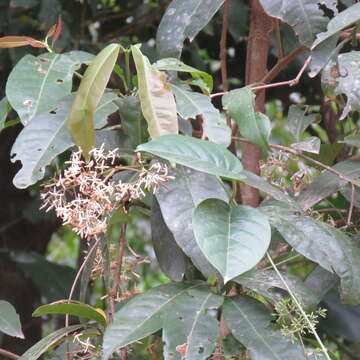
228 298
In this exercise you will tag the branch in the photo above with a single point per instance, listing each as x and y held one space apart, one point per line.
9 354
223 46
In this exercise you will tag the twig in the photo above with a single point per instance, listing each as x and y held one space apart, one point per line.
297 153
223 46
280 49
351 204
330 210
9 354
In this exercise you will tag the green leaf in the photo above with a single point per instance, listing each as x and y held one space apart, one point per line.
4 111
190 324
352 140
36 84
190 104
346 18
256 127
72 308
132 120
233 239
105 108
44 344
188 190
173 262
304 16
173 64
310 144
250 323
265 283
80 120
298 121
328 183
183 19
142 315
10 320
329 247
157 100
196 154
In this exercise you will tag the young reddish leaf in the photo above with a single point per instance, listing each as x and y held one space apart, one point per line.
51 31
17 41
58 30
35 43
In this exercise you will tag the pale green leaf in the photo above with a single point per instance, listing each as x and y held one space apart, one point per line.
352 140
80 121
197 154
157 100
310 144
298 121
190 104
10 320
233 239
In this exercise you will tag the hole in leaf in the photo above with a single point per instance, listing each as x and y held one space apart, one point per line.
52 112
59 81
200 349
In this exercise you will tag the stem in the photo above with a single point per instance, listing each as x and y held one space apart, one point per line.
223 48
9 354
351 204
303 313
127 68
279 44
283 261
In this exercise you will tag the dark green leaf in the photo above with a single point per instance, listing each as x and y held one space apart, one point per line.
197 154
256 127
10 320
352 140
250 321
105 108
190 104
80 121
172 260
4 111
44 344
157 100
298 121
188 190
76 309
183 19
233 239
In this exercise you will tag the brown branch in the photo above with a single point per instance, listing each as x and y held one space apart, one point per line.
279 45
223 47
9 354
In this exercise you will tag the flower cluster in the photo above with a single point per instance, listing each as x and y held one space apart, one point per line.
85 195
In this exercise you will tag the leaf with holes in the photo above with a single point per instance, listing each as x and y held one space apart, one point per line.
233 239
10 320
190 104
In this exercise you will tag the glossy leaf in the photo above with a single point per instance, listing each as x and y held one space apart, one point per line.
44 344
190 326
132 120
10 320
344 19
17 41
142 315
157 100
173 64
233 239
197 154
250 323
172 260
190 104
188 190
80 120
310 144
298 121
183 19
72 308
323 244
256 127
304 16
36 84
4 111
266 282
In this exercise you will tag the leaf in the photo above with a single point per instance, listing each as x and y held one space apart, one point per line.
157 100
298 121
48 79
80 120
304 16
329 247
4 111
10 320
17 41
250 323
191 324
256 127
328 183
188 190
173 64
196 154
266 282
44 344
310 144
105 108
183 19
142 315
190 104
344 19
172 260
45 137
233 239
352 140
132 120
72 308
